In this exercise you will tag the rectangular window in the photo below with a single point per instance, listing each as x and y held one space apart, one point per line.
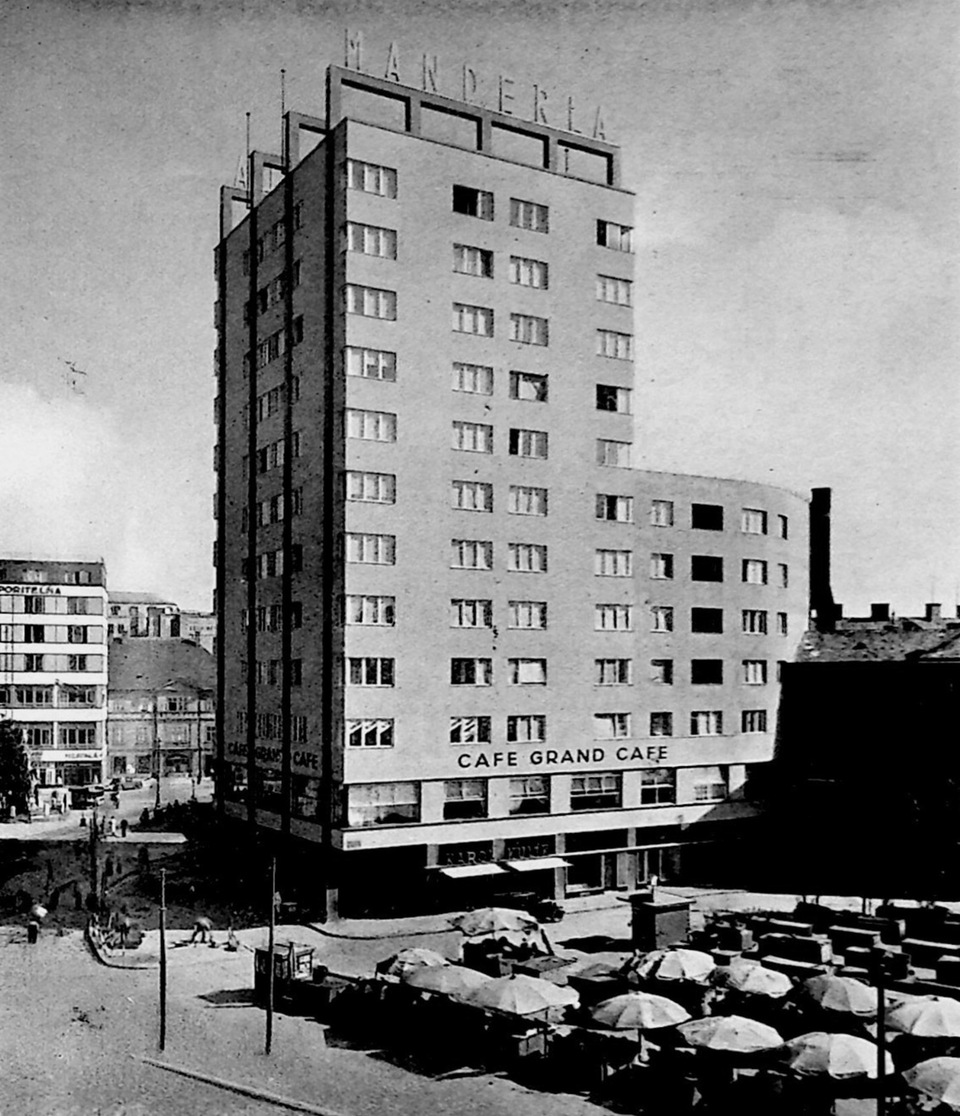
618 509
706 672
371 178
706 517
709 792
472 495
706 567
528 443
471 672
782 623
661 513
369 672
370 240
471 554
529 794
370 609
754 621
473 203
661 566
472 319
783 575
468 260
615 455
527 672
34 633
382 804
371 488
524 500
612 289
661 618
371 426
464 799
612 235
658 786
75 662
596 792
661 724
370 364
754 571
527 729
474 379
529 330
371 302
617 346
753 720
753 521
611 726
754 672
613 672
527 557
613 399
469 730
527 615
706 723
529 273
376 550
613 563
709 620
472 437
530 386
529 215
375 732
471 613
77 634
783 524
78 736
37 605
613 618
661 671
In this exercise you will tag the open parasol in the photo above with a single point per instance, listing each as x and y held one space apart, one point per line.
522 995
493 920
674 964
753 979
840 1057
841 994
454 980
734 1034
929 1017
408 959
938 1078
639 1011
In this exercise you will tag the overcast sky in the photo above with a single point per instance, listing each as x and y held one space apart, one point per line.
795 166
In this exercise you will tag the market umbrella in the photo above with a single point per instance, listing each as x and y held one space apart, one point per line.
454 980
731 1033
929 1017
408 959
819 1054
639 1011
938 1078
493 920
752 978
522 995
674 964
841 994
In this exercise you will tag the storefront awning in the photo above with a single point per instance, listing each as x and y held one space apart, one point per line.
461 871
536 865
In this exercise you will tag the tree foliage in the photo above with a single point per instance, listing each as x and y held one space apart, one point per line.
14 768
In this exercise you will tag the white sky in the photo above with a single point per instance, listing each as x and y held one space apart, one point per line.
795 166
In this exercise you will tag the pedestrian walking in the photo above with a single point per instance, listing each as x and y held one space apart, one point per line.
124 826
202 926
124 926
233 942
113 826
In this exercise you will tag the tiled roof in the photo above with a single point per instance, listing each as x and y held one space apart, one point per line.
888 644
149 664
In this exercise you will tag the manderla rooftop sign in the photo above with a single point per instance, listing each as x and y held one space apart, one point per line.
497 92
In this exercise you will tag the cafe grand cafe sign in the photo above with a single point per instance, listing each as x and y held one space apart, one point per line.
506 95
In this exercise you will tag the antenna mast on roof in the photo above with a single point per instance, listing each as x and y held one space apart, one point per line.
249 175
283 112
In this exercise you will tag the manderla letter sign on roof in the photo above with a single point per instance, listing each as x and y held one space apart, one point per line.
504 94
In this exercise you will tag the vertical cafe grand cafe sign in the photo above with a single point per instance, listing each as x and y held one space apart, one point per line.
499 92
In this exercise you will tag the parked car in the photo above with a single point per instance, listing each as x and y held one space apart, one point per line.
83 798
131 783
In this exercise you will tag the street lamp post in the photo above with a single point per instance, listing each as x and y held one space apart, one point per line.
158 759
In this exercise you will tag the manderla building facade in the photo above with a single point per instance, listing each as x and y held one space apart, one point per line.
53 665
465 648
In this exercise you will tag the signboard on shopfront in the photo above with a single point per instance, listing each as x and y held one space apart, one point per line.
271 755
70 757
31 590
573 759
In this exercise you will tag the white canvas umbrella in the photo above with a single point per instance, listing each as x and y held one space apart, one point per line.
638 1011
522 995
819 1054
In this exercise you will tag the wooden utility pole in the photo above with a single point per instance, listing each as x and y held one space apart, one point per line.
880 980
270 960
94 859
163 958
158 758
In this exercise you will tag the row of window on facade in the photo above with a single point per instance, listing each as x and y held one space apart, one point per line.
50 697
41 575
46 664
369 804
80 735
38 605
51 633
